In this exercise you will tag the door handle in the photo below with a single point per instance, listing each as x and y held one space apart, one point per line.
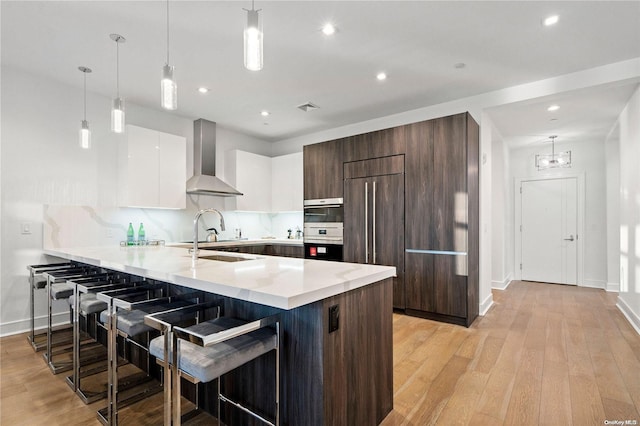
570 238
374 222
366 222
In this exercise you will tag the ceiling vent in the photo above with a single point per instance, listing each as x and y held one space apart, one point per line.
308 106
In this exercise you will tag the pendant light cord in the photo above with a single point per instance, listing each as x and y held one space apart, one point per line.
117 69
167 32
85 95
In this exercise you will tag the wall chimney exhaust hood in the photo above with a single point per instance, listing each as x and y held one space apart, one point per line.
204 180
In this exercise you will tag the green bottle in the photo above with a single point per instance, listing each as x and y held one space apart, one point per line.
141 234
130 235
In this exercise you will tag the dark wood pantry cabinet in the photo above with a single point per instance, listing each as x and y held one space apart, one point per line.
442 219
426 209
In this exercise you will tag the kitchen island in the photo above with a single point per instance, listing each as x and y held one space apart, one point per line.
342 377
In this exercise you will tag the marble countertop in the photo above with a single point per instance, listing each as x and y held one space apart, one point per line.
281 282
247 242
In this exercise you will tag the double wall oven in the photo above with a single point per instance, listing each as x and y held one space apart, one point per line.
323 228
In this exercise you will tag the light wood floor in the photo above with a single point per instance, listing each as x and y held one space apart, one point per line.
544 354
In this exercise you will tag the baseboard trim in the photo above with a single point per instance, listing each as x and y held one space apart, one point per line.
24 325
613 287
629 314
486 304
501 285
594 284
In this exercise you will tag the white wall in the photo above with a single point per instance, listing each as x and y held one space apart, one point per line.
629 137
502 215
612 158
486 223
42 164
587 157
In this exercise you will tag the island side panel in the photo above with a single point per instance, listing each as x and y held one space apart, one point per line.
301 371
358 357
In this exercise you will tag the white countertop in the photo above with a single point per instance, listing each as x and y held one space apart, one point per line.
281 282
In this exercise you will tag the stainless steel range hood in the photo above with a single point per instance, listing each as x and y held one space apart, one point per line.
204 180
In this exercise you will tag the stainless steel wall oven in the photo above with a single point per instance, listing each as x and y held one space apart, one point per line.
323 229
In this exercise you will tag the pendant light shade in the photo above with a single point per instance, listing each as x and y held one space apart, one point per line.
117 115
168 85
85 133
253 41
117 108
168 88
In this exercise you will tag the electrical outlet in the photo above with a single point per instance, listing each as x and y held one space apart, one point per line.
334 318
25 228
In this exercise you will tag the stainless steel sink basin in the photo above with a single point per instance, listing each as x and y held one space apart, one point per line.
225 258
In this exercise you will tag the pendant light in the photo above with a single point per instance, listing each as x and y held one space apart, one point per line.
555 160
117 109
168 86
85 133
253 40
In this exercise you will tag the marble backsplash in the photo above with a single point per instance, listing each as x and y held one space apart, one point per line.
84 226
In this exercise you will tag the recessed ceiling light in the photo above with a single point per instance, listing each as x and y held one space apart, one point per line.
460 65
553 108
203 90
328 29
550 20
381 76
264 113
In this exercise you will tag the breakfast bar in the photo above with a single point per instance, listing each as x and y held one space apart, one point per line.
336 357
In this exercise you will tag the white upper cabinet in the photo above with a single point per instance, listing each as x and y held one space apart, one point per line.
287 183
152 169
250 174
268 184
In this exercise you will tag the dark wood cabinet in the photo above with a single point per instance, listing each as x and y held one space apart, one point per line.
374 216
442 219
381 143
323 170
265 249
427 215
285 250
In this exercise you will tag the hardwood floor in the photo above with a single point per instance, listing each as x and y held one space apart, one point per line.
544 354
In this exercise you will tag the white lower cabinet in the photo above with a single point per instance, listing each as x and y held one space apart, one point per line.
152 169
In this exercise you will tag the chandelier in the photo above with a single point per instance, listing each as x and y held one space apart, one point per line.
555 160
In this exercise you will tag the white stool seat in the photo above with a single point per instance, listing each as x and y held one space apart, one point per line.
61 291
209 363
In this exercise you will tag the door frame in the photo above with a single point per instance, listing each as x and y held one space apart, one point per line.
580 188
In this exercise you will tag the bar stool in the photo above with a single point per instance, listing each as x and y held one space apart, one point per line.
85 304
58 289
206 351
160 347
124 317
38 282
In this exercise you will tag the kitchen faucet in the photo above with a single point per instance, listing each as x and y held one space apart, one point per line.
194 254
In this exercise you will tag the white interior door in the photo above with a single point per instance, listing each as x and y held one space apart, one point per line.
549 230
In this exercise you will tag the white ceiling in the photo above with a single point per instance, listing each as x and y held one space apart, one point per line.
417 43
584 115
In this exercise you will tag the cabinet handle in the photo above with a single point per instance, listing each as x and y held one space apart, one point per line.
374 222
366 222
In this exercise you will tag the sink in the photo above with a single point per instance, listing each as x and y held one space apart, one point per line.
225 258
